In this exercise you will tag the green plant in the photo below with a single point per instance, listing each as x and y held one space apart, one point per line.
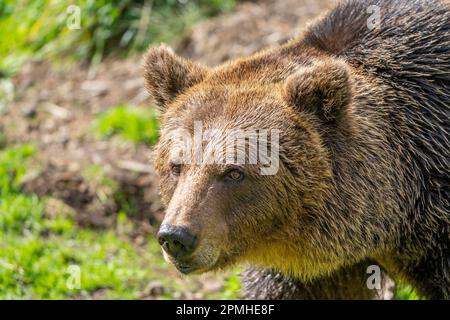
37 251
40 252
12 168
405 292
40 28
138 125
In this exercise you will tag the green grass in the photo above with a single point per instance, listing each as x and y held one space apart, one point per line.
135 124
232 286
39 28
406 292
39 252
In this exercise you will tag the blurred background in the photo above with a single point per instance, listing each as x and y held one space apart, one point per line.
79 203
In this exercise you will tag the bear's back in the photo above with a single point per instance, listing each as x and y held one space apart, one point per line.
408 53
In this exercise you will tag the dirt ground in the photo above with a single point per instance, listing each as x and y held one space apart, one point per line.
55 105
254 25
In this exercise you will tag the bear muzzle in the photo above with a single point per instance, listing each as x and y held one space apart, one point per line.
178 242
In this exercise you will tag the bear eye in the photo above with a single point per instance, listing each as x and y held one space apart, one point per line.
175 169
235 175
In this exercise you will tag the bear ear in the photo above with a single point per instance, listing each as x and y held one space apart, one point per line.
323 88
167 75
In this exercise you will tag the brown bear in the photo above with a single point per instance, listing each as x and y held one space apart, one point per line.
361 112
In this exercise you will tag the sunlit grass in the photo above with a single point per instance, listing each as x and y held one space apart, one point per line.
45 28
406 292
136 124
38 251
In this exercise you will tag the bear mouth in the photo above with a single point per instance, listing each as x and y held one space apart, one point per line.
193 268
197 264
185 269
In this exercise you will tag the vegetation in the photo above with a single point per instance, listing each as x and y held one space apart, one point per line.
405 292
50 28
138 125
40 254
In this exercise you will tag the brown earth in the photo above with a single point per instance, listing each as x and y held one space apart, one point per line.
251 27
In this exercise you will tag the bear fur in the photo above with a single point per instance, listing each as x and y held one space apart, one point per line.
364 176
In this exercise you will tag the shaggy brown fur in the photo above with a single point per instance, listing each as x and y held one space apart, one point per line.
346 283
364 154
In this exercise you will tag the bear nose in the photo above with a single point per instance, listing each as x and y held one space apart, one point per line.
177 241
